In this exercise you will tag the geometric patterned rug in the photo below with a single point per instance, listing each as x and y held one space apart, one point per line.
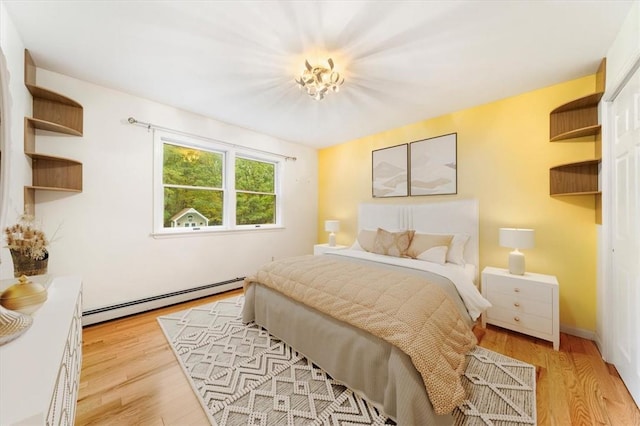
243 375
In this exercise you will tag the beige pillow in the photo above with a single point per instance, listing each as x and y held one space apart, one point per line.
435 254
366 239
392 243
420 243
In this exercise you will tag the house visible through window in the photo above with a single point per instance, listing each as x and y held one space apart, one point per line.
205 186
193 182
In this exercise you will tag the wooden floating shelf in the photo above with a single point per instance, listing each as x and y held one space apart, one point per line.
50 95
53 188
572 123
584 102
577 133
576 193
579 178
595 161
578 117
38 156
50 108
52 127
55 172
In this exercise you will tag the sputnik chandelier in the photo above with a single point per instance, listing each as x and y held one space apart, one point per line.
318 80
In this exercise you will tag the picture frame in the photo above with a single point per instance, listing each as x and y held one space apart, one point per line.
389 172
434 166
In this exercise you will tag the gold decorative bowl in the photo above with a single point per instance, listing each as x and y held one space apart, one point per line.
12 325
24 297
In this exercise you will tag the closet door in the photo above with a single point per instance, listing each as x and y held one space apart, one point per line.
626 236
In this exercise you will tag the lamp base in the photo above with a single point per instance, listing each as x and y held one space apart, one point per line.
516 262
332 240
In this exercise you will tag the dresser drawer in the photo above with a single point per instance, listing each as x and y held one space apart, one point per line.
517 320
526 290
516 303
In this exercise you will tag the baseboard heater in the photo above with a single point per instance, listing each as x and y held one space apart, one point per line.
94 316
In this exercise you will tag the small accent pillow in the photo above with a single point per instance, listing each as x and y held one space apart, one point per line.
420 243
435 254
366 239
392 243
456 249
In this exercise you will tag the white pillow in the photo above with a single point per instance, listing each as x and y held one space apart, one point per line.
456 249
356 246
435 254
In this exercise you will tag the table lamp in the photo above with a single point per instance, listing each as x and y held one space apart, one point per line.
516 238
332 226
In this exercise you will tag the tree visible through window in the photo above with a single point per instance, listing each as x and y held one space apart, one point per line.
255 192
195 187
192 178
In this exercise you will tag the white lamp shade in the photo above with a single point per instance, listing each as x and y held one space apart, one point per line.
332 225
517 238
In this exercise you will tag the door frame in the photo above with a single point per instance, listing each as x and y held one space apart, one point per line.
605 311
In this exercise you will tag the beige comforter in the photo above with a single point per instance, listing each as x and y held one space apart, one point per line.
404 310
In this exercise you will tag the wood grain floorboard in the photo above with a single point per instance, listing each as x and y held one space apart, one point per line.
130 376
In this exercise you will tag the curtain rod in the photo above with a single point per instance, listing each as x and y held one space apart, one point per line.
150 126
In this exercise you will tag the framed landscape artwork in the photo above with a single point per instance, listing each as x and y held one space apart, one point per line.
434 166
389 171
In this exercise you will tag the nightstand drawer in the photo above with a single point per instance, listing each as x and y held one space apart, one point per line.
517 303
526 290
516 320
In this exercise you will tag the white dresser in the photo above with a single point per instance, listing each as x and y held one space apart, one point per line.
525 303
40 370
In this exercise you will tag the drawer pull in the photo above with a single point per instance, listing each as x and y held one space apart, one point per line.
516 319
517 290
517 305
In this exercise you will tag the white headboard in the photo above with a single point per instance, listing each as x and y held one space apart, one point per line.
459 216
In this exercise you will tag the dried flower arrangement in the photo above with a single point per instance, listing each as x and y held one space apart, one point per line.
26 238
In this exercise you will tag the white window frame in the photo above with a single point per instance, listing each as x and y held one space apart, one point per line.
276 171
228 184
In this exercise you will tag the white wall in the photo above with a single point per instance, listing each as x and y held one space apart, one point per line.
17 163
105 231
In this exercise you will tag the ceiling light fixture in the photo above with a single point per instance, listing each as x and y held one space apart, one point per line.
318 80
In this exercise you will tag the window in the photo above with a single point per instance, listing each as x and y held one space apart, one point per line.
206 186
255 192
192 179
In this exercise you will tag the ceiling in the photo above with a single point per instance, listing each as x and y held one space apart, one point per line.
403 61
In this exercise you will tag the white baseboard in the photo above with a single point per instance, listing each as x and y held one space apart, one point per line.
136 307
579 332
600 346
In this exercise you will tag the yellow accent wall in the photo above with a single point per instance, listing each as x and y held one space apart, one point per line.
504 156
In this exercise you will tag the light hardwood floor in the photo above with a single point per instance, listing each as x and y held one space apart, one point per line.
131 377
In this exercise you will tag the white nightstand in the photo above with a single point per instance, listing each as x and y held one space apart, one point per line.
324 248
525 303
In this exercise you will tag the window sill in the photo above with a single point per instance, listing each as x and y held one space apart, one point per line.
209 232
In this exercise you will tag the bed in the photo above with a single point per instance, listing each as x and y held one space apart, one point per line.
384 373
